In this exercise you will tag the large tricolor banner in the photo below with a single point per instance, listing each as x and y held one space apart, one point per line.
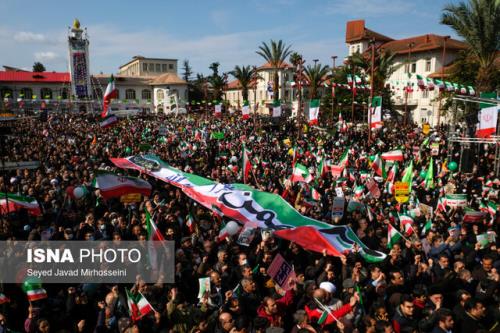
245 110
376 112
255 208
114 186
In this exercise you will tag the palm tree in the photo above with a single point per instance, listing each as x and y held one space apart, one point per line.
295 58
316 75
245 76
478 22
275 54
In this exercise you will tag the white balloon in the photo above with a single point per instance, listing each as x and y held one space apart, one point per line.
232 228
78 192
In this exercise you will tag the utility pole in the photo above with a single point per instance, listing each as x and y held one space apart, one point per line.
300 63
353 89
372 79
410 46
255 76
445 38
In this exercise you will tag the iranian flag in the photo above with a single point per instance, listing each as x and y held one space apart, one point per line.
277 214
377 166
34 290
488 117
313 111
376 112
394 155
111 93
138 305
427 227
154 233
430 83
190 222
420 82
393 236
277 108
218 109
109 121
406 223
391 176
315 195
3 299
112 185
301 174
472 92
12 203
245 110
322 168
440 84
344 159
441 204
247 165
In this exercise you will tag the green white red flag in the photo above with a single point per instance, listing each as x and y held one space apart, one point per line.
247 165
301 174
394 155
138 305
13 203
313 111
377 166
245 110
376 112
112 185
34 290
247 205
110 93
406 223
393 236
3 299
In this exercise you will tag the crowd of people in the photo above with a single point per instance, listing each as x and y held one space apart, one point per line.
432 281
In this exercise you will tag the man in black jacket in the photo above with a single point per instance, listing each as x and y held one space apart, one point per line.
403 318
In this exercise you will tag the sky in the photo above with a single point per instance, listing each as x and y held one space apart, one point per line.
203 31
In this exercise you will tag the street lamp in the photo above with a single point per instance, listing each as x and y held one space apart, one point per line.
445 38
410 46
300 63
332 82
315 62
372 84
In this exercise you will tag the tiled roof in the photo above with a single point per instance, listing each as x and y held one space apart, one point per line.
48 77
167 78
356 31
235 85
423 43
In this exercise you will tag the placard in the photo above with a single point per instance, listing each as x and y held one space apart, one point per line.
281 271
338 206
456 200
131 198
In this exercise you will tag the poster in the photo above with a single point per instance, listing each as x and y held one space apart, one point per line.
281 271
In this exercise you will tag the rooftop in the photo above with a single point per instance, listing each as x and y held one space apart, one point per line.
167 78
46 77
423 43
356 31
138 57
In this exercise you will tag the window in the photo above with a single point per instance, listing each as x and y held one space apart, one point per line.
170 66
414 67
46 93
146 94
130 94
428 65
164 68
151 67
158 68
145 67
425 93
117 93
26 93
65 94
160 95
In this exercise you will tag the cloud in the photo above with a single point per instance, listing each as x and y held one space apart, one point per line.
46 56
25 36
369 8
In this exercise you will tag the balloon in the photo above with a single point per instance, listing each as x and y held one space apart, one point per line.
128 150
232 228
452 166
79 192
372 158
423 173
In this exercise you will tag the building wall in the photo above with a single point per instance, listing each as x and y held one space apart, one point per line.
149 67
162 94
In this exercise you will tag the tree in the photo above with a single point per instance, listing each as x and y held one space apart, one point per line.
295 58
478 23
38 67
316 75
275 54
244 75
216 81
383 69
187 70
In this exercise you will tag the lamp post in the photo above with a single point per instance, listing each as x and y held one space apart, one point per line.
254 75
353 87
300 63
410 46
445 38
333 87
372 84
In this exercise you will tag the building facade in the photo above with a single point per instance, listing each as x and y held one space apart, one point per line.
259 92
141 66
423 55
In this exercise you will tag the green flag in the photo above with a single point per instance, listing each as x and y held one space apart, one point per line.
408 175
429 177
